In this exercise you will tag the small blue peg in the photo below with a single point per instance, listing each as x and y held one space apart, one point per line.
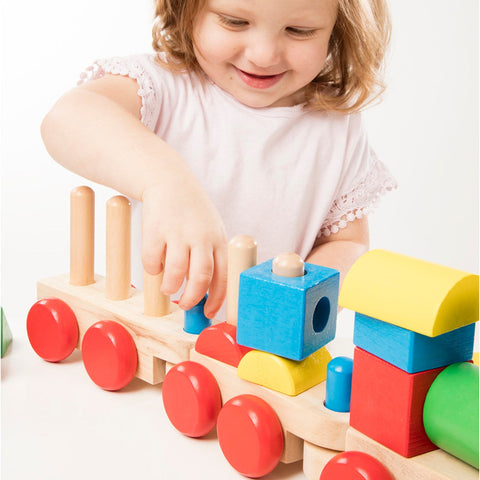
339 384
194 319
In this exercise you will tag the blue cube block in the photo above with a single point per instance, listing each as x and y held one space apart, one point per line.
289 316
410 351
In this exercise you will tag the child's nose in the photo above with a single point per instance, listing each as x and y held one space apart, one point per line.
263 51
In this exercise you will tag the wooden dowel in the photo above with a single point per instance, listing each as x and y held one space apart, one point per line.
156 304
82 230
288 265
117 283
242 254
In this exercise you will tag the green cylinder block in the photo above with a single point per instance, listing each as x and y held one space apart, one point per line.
450 413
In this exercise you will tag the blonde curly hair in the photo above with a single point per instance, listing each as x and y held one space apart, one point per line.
352 76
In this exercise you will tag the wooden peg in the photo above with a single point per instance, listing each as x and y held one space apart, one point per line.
156 304
117 283
288 265
242 254
82 226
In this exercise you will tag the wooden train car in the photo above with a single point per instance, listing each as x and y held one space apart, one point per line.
276 412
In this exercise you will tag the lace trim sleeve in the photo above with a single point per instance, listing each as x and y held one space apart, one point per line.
133 69
360 200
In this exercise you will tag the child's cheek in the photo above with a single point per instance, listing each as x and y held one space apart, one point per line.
212 41
216 46
308 59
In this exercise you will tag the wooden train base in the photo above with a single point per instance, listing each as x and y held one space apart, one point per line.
124 332
157 342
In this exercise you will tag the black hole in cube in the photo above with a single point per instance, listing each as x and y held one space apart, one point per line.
321 314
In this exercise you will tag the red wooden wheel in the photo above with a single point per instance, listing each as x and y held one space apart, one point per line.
109 355
355 466
52 329
250 435
191 398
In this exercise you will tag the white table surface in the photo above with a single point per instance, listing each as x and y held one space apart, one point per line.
58 425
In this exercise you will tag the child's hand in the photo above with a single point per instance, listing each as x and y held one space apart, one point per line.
180 222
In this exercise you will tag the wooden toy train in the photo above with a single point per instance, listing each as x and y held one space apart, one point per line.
264 378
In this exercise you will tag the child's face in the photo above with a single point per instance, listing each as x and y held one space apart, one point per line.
264 52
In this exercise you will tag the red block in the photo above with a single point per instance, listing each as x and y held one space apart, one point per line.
220 342
387 404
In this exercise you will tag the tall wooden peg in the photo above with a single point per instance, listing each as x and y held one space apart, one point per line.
82 227
117 286
156 304
242 254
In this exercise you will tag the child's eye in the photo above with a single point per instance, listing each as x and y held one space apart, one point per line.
232 21
301 32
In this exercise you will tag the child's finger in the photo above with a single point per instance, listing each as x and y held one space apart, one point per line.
199 277
152 257
218 285
176 267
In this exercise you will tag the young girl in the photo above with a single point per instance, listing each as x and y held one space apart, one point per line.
245 121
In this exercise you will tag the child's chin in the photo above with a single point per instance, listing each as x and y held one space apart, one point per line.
257 102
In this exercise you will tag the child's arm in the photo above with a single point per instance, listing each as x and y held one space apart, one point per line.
95 131
340 250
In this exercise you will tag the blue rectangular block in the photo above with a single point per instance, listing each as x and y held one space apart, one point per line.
288 316
410 351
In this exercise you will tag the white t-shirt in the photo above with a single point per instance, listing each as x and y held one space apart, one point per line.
283 175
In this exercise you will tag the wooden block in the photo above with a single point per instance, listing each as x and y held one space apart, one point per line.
387 403
292 448
435 465
287 316
162 338
5 333
411 351
150 369
284 375
314 459
219 342
475 358
304 415
413 294
450 414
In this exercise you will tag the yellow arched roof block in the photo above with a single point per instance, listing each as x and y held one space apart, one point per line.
284 375
413 294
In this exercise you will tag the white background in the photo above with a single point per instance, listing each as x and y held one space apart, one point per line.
57 424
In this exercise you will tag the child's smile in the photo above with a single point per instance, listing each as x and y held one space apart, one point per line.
264 52
258 80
